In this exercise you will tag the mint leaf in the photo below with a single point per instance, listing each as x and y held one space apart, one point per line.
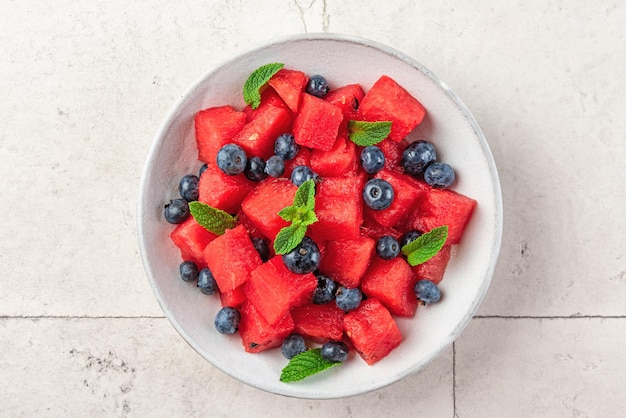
365 133
308 218
289 237
305 195
304 365
289 213
426 246
212 219
258 78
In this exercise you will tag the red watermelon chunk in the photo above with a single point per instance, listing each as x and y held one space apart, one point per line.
302 158
407 192
347 261
440 207
391 282
374 230
231 257
372 330
393 153
257 136
222 191
274 290
434 268
388 101
347 98
269 97
257 334
339 208
339 160
233 298
289 84
319 323
317 123
216 127
191 238
262 205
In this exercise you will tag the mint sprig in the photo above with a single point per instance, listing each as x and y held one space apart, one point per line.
301 214
304 365
256 80
426 246
212 219
365 133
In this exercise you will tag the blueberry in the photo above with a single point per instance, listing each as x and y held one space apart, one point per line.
378 194
409 237
261 247
387 247
188 187
285 147
439 175
206 282
231 159
188 271
292 346
417 156
275 166
427 292
372 159
177 211
325 291
227 320
255 169
302 173
335 351
348 299
317 86
305 258
202 169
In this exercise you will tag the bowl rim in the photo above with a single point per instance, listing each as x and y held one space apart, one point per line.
496 239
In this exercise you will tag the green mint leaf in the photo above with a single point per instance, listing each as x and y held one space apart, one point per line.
258 78
289 237
212 219
289 213
365 133
308 218
426 246
304 365
305 195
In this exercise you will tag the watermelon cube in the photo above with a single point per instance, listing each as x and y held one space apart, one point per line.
347 98
302 158
257 334
391 282
231 257
319 323
393 153
269 97
257 136
289 84
372 330
262 205
339 208
317 123
233 298
407 192
347 261
222 191
216 127
434 268
274 290
339 160
374 230
191 238
388 101
440 207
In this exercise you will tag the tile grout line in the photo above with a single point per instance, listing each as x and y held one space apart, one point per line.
454 415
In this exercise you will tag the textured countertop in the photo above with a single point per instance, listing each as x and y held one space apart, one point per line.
83 88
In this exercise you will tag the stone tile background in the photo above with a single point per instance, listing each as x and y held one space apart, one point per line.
83 87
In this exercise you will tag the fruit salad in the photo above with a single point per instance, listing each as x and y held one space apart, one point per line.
313 221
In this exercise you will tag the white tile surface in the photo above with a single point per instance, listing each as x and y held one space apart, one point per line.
84 87
541 368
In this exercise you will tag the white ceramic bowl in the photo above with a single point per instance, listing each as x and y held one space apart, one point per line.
449 125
